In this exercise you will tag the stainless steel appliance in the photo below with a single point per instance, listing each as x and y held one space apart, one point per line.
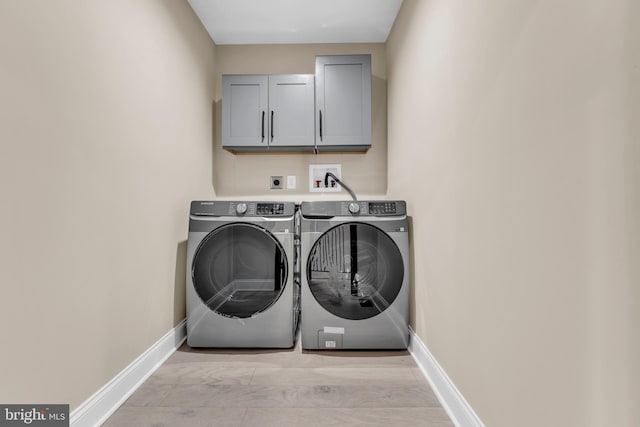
354 274
240 276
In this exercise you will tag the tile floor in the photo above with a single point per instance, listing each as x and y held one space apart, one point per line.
263 388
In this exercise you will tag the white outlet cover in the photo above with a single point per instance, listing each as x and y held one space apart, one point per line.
316 177
291 182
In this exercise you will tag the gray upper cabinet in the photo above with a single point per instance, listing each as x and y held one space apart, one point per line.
291 111
343 102
274 112
244 111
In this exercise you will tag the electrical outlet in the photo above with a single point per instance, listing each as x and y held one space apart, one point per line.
317 174
276 183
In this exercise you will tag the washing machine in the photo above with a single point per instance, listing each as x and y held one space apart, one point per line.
354 275
240 286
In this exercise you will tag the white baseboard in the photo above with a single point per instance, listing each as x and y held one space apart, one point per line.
450 398
95 410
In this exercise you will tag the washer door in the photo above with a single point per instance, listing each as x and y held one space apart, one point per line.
239 270
355 271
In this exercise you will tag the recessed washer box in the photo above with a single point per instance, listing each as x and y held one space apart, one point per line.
317 182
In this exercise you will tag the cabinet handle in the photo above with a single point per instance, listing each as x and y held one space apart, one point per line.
271 125
320 125
262 127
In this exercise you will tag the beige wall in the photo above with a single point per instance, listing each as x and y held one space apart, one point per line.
248 174
105 136
511 135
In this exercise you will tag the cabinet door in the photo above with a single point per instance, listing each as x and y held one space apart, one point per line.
291 108
343 102
244 111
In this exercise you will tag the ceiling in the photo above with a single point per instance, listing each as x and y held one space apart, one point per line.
297 21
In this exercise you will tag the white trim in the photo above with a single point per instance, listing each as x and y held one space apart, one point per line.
95 410
450 398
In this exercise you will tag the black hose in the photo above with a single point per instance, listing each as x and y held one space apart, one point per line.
342 184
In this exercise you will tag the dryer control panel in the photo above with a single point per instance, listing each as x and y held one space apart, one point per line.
242 209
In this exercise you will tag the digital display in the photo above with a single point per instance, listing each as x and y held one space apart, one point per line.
382 208
270 209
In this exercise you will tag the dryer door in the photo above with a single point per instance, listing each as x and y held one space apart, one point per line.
355 271
239 270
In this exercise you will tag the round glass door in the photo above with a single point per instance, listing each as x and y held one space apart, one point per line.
355 271
239 270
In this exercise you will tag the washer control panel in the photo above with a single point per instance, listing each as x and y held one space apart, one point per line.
329 209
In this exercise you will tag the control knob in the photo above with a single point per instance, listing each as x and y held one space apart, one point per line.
241 208
354 208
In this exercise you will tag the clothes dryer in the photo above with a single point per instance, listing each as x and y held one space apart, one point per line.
240 275
354 274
